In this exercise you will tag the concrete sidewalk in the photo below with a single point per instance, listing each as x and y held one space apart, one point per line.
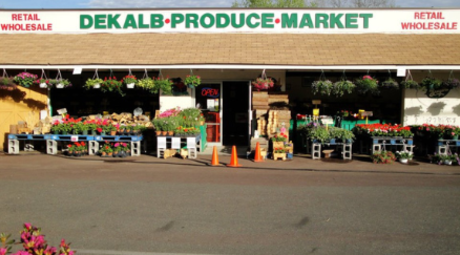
300 162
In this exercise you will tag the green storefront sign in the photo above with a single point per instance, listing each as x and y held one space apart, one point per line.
223 20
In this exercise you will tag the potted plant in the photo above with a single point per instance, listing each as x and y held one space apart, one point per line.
430 83
158 125
130 81
106 149
43 83
324 87
367 84
63 83
278 140
410 84
451 83
261 84
94 83
404 156
318 134
164 84
111 84
445 159
383 157
25 79
7 83
390 83
192 81
340 87
148 84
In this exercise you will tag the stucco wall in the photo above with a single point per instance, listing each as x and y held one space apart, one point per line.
419 109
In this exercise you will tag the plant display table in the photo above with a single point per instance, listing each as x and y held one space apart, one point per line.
173 142
344 146
52 141
443 145
380 143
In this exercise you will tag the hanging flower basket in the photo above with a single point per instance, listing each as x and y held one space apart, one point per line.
130 81
25 79
94 83
435 88
111 84
324 87
390 84
192 81
367 84
261 84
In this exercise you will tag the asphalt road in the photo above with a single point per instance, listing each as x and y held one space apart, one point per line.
133 208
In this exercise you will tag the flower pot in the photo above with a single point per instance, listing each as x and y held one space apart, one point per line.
103 154
130 85
164 133
84 132
447 162
190 86
110 154
59 86
170 133
102 133
43 85
158 132
93 132
404 160
97 86
112 133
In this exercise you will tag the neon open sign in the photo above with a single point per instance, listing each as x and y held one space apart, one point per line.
210 92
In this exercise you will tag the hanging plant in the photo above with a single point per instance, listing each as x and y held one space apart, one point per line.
7 83
94 83
451 83
367 84
324 87
164 84
148 84
409 83
434 88
44 83
340 87
192 81
25 79
130 81
62 83
111 84
262 84
390 83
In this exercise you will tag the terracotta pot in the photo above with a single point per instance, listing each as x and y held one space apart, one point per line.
170 133
164 132
112 133
103 154
158 132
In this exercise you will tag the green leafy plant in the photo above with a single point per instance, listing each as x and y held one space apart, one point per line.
390 83
111 84
106 147
340 87
192 80
324 87
63 83
25 79
383 157
404 155
148 84
410 84
90 83
430 83
367 84
164 84
128 79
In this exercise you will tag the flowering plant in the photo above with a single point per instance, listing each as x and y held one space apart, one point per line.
128 79
404 155
279 150
106 147
340 87
383 157
77 147
25 79
263 84
279 138
111 84
367 84
192 80
33 243
451 83
431 83
442 158
323 87
383 130
170 112
7 83
41 81
61 83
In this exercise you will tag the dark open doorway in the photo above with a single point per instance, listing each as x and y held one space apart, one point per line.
235 113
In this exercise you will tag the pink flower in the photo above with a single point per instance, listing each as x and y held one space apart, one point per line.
3 251
27 225
117 144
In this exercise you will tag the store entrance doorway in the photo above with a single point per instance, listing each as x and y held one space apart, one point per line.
235 113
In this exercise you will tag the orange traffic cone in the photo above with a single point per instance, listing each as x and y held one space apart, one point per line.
234 159
215 157
258 156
